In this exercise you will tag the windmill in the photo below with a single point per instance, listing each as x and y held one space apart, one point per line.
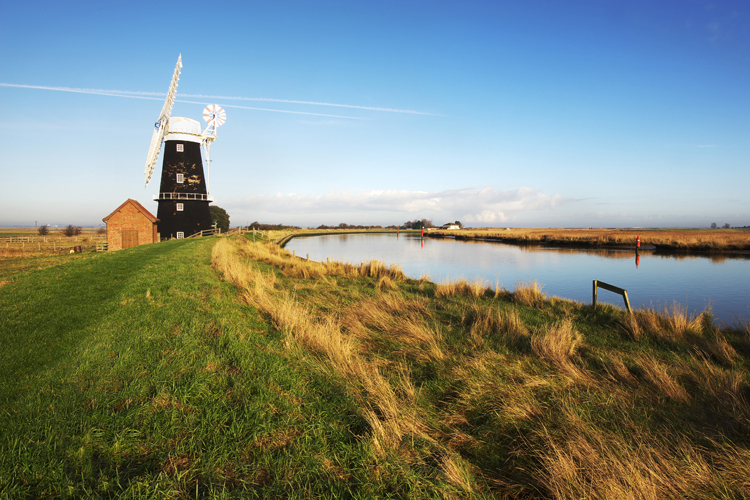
183 194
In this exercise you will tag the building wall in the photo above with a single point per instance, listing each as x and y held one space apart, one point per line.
129 217
194 218
195 215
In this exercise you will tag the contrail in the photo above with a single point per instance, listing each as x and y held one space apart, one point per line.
157 95
113 93
146 95
313 103
267 109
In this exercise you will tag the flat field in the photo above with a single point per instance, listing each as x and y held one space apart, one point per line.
27 242
668 239
222 368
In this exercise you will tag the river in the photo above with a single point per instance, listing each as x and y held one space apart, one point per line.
721 282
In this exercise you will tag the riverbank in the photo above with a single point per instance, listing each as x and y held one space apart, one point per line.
673 240
234 369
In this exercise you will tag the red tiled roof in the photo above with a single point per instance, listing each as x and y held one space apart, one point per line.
137 206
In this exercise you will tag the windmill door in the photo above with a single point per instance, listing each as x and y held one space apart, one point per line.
129 238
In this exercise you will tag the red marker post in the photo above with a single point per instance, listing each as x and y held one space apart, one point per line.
422 232
638 242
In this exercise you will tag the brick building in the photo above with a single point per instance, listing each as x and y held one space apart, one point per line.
130 225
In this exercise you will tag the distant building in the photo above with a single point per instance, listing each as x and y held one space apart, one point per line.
130 225
450 225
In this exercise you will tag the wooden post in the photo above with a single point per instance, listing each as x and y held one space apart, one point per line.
627 302
593 301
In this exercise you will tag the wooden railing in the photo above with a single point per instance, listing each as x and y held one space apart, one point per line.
183 196
52 237
611 288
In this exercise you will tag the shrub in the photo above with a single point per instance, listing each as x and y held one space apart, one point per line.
71 230
43 230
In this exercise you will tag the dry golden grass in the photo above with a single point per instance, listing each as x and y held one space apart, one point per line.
580 436
727 388
386 283
296 267
619 372
658 373
483 322
458 472
529 293
558 344
701 239
398 319
672 324
592 463
391 414
676 326
475 288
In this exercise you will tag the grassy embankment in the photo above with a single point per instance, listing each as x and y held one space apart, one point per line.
663 239
142 374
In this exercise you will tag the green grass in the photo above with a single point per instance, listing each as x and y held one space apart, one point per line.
147 373
137 374
12 266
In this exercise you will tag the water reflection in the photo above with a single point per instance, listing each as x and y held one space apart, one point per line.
657 279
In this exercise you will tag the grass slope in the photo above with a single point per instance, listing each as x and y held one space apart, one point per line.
137 374
219 368
511 394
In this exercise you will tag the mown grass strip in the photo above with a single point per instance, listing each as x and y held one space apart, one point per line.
138 374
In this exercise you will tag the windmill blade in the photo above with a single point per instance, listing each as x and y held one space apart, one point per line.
154 150
161 125
166 111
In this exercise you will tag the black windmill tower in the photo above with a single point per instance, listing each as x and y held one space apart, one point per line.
183 194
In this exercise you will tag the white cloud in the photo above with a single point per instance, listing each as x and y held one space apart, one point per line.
485 205
486 217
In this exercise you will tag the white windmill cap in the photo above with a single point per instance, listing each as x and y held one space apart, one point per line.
183 129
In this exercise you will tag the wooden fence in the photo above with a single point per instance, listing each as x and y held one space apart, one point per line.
611 288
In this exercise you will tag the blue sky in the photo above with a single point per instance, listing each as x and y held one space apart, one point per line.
525 114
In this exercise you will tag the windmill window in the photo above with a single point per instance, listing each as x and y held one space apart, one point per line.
180 178
180 148
180 235
180 207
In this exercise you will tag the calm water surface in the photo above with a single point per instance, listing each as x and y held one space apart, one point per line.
723 282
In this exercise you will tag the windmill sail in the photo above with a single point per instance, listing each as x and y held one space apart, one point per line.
161 124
